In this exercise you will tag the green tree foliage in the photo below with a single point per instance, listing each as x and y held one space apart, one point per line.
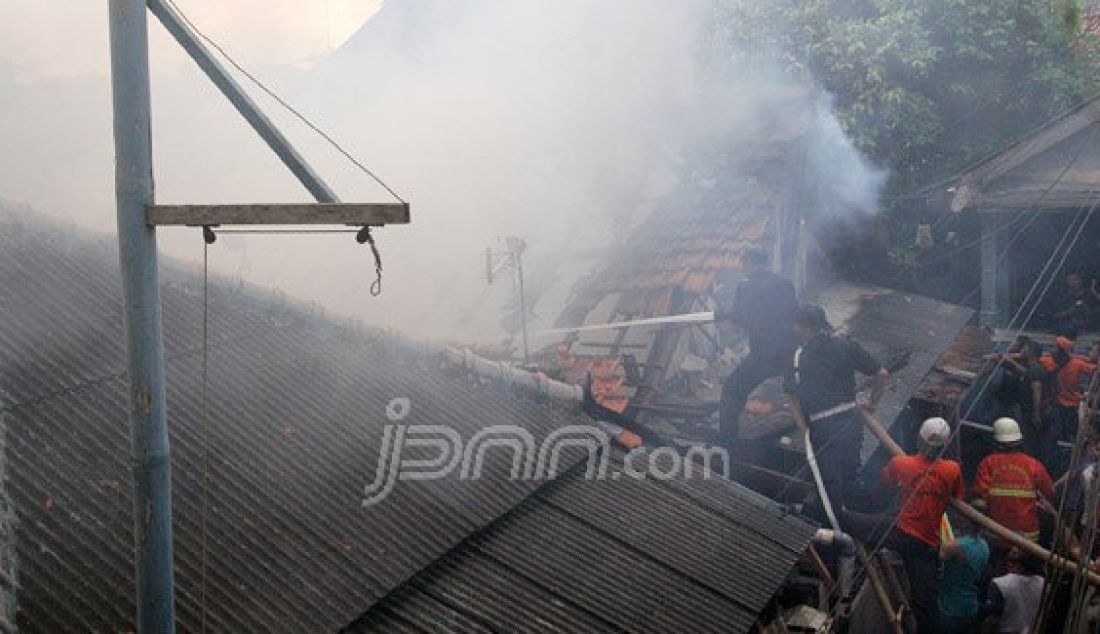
924 87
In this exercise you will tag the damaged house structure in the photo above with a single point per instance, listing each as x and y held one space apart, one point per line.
330 477
685 257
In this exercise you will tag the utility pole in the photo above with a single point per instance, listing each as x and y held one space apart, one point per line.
138 217
511 258
137 243
517 248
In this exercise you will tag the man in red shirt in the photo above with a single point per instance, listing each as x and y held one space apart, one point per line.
925 484
1061 419
1011 481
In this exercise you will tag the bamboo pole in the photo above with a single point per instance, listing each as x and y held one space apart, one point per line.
979 518
822 570
879 587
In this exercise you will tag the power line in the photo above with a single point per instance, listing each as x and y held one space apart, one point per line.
282 102
204 554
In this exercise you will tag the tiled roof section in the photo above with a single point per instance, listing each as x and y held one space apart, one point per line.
296 419
1091 23
610 555
693 237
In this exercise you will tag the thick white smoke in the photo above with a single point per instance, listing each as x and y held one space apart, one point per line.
561 123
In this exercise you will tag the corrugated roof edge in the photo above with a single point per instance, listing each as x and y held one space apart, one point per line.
800 530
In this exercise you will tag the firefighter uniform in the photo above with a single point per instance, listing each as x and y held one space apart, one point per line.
1010 483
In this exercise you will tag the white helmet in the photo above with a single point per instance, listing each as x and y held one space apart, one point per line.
1006 430
935 432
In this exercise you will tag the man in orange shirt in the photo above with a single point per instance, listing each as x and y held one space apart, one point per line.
926 485
1066 369
1011 481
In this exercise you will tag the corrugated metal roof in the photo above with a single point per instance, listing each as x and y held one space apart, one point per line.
920 329
296 420
295 425
618 554
486 589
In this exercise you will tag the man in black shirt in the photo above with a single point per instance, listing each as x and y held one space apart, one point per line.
1023 389
822 379
764 306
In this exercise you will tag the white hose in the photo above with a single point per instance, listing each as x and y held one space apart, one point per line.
812 460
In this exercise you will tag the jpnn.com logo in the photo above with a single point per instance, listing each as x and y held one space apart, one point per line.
531 459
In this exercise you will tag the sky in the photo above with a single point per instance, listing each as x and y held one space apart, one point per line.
494 118
68 38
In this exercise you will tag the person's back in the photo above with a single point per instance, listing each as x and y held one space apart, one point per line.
1010 482
926 484
765 305
1022 593
927 487
962 574
824 373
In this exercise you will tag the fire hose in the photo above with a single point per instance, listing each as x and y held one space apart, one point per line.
877 583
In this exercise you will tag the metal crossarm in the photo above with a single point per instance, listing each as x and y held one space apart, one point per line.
371 215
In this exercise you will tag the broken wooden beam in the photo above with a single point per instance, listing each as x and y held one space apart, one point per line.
371 214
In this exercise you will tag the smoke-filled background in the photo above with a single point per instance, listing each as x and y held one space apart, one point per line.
562 123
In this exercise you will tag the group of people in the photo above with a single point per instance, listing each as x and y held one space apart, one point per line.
959 581
955 584
798 343
1043 390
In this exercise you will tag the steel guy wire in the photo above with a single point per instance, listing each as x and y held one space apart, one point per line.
282 102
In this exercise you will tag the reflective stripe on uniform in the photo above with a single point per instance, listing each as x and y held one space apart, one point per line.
1012 493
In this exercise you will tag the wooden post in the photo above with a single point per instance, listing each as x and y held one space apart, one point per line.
991 283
